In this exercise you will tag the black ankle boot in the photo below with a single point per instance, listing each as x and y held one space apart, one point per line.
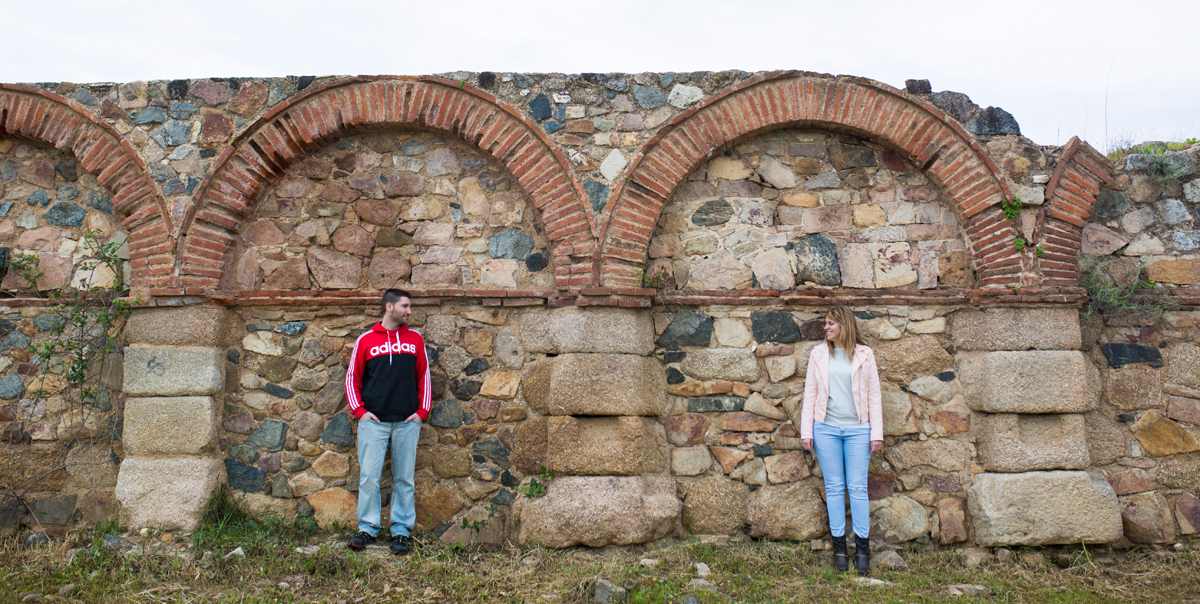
862 557
840 560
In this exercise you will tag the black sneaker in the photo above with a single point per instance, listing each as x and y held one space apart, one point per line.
399 545
361 540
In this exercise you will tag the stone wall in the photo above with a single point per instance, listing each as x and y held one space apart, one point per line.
619 278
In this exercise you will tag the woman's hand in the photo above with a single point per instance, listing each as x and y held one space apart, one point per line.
876 446
807 443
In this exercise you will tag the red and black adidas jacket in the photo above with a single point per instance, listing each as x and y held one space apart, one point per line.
389 375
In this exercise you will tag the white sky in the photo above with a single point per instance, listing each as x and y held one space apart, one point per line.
1052 64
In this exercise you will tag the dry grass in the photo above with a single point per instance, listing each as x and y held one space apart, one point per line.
743 572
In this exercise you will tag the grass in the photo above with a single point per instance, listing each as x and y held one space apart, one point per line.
273 572
196 567
1123 147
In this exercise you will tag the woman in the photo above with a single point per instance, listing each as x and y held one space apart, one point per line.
842 419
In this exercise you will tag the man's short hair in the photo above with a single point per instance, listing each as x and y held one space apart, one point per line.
392 296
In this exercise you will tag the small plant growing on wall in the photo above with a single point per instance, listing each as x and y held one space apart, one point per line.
1115 292
67 408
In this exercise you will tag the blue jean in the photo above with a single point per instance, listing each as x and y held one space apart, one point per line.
373 440
845 454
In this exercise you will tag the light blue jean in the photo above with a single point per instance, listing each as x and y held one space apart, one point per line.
373 440
845 454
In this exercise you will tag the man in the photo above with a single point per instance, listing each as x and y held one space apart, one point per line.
388 390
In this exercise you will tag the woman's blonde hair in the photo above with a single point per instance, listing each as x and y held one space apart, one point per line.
850 335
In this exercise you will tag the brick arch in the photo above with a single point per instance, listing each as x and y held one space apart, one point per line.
37 114
1070 195
301 125
922 133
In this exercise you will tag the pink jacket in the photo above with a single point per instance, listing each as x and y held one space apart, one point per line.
864 384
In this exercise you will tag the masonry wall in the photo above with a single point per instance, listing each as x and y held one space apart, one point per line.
620 278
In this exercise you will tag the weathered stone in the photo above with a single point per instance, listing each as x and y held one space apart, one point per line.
1187 513
1019 443
569 330
166 492
243 476
1183 365
794 511
334 270
705 404
1134 387
1017 382
690 461
1184 409
952 520
773 270
501 385
604 446
292 274
943 453
599 511
780 176
596 384
269 436
898 519
1101 241
774 326
1160 436
1178 271
1041 508
1147 518
757 405
817 260
720 271
741 421
737 365
1016 329
170 425
732 333
200 325
331 465
899 417
687 328
334 507
686 429
715 506
789 467
173 371
1133 480
911 357
1119 354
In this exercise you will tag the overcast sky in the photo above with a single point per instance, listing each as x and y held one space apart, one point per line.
1054 65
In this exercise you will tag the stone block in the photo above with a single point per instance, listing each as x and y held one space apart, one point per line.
1009 442
167 492
943 453
1183 365
605 446
151 371
598 511
690 461
1132 387
897 519
912 357
335 506
181 425
594 329
1160 436
596 384
952 520
794 511
1042 508
1016 329
1147 518
715 505
734 364
1039 381
206 326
